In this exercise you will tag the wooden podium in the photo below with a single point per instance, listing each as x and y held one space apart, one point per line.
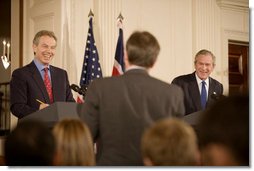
54 113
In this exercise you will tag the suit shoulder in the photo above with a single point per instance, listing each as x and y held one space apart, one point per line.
21 70
57 68
183 78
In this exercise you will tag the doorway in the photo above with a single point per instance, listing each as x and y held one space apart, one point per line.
238 67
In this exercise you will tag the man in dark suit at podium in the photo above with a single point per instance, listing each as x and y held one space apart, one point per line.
118 109
193 84
39 84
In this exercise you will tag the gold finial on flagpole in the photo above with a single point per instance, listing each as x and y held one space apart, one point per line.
120 17
90 13
119 20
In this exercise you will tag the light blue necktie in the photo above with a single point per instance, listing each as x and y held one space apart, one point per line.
203 95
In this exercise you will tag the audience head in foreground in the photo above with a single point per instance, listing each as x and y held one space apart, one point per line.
170 142
224 133
31 143
74 143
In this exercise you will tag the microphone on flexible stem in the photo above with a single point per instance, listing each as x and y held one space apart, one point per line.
81 91
75 88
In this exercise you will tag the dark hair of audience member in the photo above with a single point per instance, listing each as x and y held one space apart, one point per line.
225 128
31 143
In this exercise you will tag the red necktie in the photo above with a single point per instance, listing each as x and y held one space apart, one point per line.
48 85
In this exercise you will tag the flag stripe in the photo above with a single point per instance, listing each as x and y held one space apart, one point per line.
117 69
91 66
119 66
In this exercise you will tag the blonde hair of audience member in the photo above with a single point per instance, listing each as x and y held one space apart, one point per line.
170 142
74 143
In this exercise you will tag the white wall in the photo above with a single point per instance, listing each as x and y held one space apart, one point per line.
182 27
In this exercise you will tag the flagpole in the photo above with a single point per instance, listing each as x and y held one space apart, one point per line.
119 66
91 68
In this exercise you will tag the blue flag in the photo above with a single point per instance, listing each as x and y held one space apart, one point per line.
91 67
119 66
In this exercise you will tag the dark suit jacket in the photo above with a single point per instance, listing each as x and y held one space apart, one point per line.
118 109
192 100
27 85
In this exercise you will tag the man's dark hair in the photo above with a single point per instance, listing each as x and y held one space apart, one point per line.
142 49
227 123
41 33
31 143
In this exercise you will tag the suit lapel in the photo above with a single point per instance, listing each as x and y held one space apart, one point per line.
194 91
54 82
39 81
211 88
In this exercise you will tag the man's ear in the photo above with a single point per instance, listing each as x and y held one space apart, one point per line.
147 162
34 48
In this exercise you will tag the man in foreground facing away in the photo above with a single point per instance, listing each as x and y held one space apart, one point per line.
118 109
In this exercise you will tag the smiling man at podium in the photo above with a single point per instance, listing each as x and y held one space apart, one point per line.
39 84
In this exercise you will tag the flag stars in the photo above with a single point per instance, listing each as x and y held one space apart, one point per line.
91 66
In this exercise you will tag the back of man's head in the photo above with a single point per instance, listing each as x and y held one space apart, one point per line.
142 49
31 143
170 142
223 132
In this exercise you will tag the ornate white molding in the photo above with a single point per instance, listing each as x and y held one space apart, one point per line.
206 26
240 5
236 35
106 31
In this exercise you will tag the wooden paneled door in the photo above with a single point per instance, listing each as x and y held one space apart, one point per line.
238 62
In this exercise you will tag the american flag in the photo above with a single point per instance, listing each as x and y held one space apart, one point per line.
91 66
119 67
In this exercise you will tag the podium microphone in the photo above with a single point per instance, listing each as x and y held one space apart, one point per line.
75 88
81 91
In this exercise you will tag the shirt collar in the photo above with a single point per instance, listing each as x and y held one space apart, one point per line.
39 65
200 81
135 67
